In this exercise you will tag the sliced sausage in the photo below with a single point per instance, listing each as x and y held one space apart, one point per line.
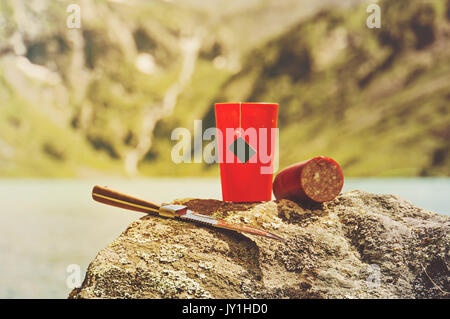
319 179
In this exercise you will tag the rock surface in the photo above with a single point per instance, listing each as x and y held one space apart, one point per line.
360 245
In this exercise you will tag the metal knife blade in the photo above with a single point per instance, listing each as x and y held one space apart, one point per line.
220 223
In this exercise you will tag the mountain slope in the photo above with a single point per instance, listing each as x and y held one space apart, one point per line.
376 100
105 98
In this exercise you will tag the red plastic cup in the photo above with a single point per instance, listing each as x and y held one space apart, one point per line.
247 135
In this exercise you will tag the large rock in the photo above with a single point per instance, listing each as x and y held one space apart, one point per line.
360 245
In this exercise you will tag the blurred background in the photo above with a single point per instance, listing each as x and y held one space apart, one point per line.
97 105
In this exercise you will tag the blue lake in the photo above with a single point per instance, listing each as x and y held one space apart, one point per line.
47 225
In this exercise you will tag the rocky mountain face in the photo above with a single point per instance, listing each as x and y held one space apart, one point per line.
104 98
360 245
103 86
377 100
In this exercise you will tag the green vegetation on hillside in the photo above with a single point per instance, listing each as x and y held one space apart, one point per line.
105 98
376 100
31 145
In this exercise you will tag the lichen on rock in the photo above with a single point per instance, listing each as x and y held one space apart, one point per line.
360 245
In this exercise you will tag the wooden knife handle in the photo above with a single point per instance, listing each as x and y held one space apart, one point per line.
113 198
